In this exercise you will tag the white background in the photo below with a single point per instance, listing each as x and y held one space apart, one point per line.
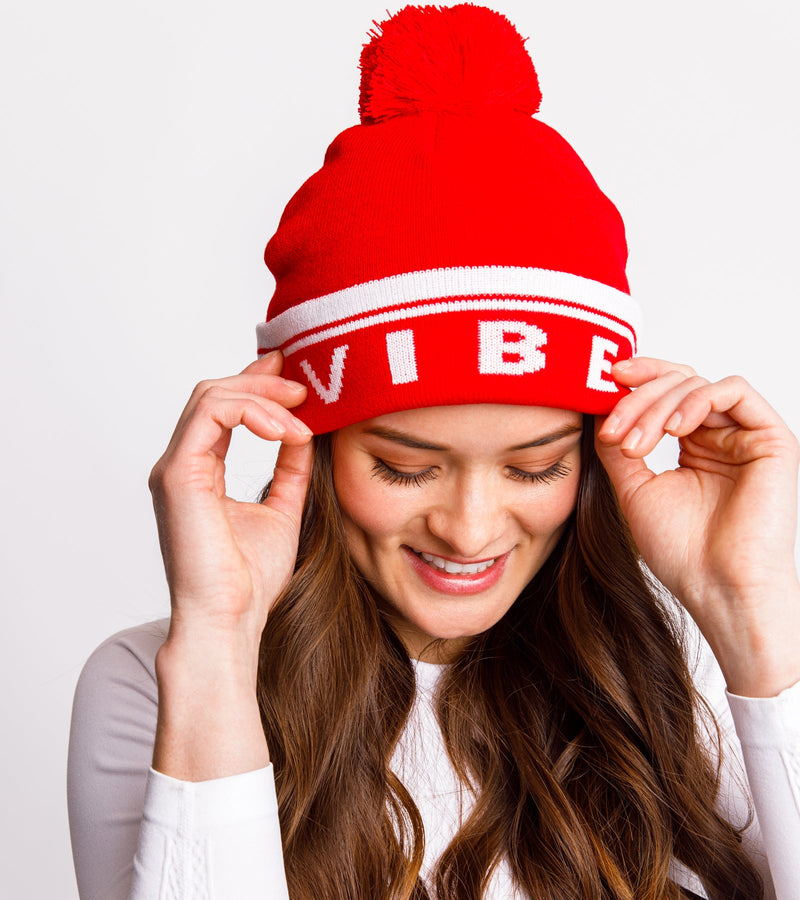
147 151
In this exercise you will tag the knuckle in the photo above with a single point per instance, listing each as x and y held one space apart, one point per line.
202 387
698 387
211 394
678 368
156 477
214 391
684 373
737 382
168 481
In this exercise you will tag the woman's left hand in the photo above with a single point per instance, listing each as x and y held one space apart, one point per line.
719 530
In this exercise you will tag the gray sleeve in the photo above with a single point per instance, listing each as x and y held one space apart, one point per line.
110 751
140 835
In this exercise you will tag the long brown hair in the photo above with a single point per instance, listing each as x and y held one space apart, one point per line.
575 717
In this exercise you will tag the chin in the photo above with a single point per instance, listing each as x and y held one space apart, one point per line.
458 630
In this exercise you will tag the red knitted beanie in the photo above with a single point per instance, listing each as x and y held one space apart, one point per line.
451 249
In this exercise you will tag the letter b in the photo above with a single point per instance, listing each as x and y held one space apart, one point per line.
510 348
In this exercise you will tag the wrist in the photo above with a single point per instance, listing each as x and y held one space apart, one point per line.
755 640
228 646
209 722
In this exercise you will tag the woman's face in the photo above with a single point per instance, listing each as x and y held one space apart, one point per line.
450 511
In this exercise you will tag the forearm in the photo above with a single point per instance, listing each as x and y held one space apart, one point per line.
226 562
209 725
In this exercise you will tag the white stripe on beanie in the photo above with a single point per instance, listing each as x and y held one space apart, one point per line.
371 303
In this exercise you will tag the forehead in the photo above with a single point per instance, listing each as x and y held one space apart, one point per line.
494 427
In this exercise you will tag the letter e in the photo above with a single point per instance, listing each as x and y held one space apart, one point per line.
600 365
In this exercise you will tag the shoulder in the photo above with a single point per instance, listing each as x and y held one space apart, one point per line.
127 656
117 690
114 718
140 643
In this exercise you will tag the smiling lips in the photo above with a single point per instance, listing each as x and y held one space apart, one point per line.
454 568
449 577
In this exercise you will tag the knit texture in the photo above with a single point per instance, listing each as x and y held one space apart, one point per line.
451 249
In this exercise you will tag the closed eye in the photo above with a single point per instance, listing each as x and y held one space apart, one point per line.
394 476
385 472
546 476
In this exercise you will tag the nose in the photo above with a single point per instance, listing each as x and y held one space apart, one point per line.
471 519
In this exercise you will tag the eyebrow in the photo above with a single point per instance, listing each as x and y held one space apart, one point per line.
400 437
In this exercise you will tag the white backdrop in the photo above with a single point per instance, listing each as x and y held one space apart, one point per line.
147 151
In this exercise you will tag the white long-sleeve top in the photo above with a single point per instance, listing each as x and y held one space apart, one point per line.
140 835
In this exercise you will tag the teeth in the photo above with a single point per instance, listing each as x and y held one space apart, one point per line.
454 568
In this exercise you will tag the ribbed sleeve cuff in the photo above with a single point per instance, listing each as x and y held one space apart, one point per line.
202 806
210 840
768 722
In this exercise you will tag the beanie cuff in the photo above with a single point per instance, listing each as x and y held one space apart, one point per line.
491 334
404 296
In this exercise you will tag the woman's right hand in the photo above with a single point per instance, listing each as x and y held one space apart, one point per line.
226 563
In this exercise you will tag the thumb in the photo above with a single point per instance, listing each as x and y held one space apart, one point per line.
290 479
627 474
268 364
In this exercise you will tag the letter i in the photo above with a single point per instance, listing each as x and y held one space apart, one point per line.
402 356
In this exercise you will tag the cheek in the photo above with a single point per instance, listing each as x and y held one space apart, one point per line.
548 516
369 512
370 519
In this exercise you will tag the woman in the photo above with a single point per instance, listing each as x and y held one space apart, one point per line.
436 627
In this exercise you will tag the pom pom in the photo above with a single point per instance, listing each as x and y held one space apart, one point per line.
458 59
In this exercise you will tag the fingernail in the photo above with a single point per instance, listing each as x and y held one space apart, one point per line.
674 423
632 440
610 425
623 364
271 355
294 385
303 428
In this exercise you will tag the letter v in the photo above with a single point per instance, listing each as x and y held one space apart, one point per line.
329 394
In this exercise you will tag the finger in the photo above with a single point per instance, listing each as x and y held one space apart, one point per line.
268 363
634 405
283 390
731 401
220 411
641 369
288 393
627 473
290 479
639 432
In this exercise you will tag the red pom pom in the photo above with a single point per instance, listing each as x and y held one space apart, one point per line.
458 59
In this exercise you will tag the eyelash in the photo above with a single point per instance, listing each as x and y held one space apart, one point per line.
392 476
548 476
